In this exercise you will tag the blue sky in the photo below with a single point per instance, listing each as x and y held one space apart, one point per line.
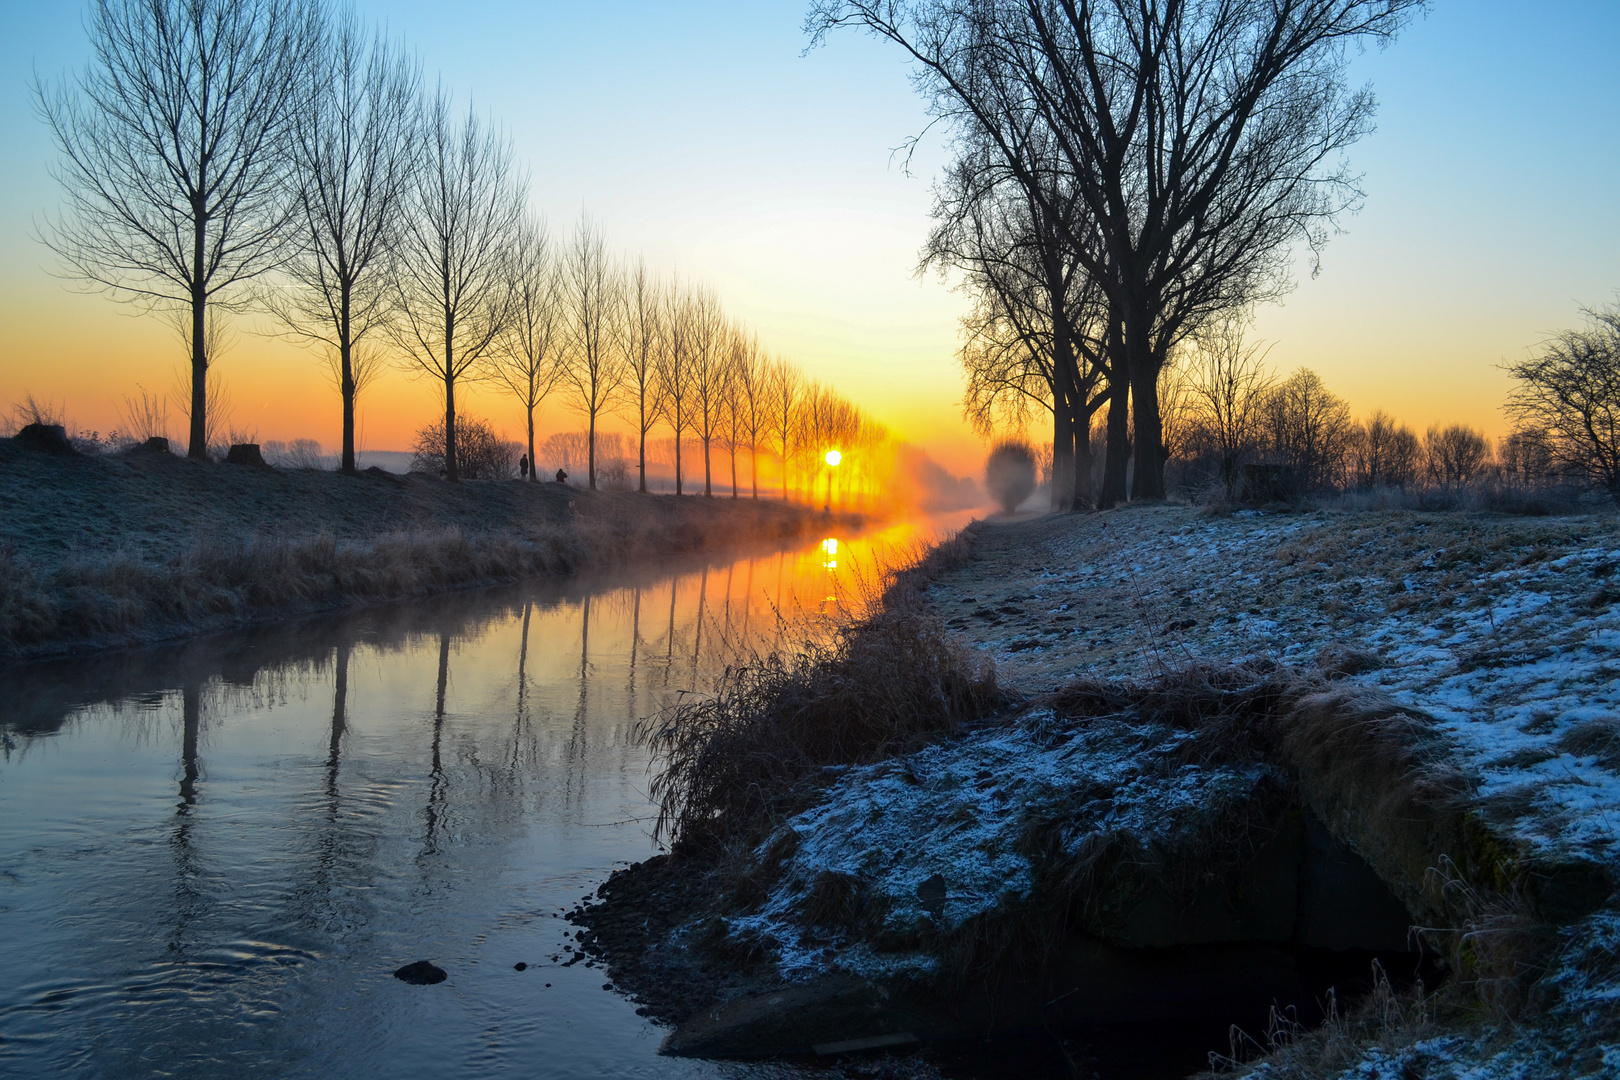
701 136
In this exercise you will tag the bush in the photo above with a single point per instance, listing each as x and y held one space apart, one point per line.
481 454
1009 474
736 762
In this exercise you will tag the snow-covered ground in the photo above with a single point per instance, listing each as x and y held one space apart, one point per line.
1507 630
934 839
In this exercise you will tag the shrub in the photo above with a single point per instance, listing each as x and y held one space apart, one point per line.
745 756
1009 474
481 454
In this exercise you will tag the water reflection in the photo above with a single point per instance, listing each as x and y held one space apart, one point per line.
431 780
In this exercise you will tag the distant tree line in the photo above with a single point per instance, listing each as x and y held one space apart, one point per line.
1223 410
222 156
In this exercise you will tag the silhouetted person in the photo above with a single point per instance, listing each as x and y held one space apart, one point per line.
562 477
523 467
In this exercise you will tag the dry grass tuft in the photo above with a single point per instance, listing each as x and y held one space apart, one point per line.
1393 1022
1598 738
742 757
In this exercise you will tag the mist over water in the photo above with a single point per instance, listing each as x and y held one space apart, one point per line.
214 854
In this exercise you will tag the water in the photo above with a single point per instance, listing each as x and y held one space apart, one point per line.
213 855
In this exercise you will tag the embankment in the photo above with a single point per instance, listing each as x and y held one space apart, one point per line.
1180 836
107 551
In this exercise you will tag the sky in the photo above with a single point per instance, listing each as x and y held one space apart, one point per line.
704 138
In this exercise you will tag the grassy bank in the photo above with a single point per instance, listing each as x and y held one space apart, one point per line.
1118 717
109 550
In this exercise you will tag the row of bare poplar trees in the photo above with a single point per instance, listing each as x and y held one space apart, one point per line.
222 156
658 353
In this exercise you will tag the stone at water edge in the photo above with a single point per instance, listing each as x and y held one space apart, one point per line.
421 973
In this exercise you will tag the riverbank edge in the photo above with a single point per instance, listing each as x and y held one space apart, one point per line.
120 596
1462 1023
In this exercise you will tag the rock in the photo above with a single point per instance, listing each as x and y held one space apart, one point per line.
520 966
421 973
931 894
246 454
46 438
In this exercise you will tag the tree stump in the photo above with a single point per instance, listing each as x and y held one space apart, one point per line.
46 438
246 454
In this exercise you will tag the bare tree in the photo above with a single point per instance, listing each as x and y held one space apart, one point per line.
174 156
734 421
353 145
1036 335
1201 139
708 375
1525 456
1455 454
750 372
1229 387
1308 428
785 393
596 368
1386 452
1570 392
674 367
529 359
452 286
643 399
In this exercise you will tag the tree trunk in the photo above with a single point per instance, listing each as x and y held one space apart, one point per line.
451 473
534 466
199 344
346 385
677 458
1080 493
1147 481
733 470
753 466
1117 449
641 446
708 486
590 453
1064 406
348 408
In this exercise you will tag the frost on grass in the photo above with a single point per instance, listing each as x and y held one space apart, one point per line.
901 855
1506 630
